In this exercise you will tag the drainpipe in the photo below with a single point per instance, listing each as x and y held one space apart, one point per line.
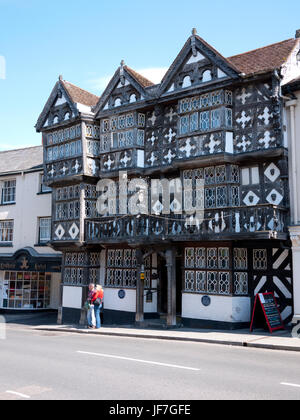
292 104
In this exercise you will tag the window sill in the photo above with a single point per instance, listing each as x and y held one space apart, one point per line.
42 244
8 204
203 133
44 192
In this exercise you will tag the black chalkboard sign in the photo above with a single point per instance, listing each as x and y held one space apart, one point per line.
265 306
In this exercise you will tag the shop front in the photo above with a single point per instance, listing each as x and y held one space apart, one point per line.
29 281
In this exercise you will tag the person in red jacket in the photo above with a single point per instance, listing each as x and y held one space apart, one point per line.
97 301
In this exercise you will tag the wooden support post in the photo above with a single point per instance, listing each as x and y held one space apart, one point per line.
139 317
171 267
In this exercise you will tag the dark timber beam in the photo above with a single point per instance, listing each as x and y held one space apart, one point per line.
139 317
171 267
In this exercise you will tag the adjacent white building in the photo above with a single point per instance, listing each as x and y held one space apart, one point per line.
30 271
292 115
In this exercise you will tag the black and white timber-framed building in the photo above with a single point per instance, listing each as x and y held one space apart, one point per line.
212 120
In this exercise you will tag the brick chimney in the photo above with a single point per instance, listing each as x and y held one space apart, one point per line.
297 36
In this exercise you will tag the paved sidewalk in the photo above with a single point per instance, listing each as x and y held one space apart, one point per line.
280 340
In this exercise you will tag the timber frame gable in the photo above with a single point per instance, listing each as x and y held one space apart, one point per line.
60 96
126 87
198 64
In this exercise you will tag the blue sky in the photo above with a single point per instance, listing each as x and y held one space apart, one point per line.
85 42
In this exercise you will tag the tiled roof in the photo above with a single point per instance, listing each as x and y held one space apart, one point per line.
139 78
79 95
264 59
21 159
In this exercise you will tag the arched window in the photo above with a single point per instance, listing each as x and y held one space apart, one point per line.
132 98
55 120
186 82
118 102
206 77
67 116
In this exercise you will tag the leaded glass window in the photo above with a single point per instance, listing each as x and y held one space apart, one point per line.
260 259
201 283
212 282
129 120
235 196
194 121
184 125
240 284
216 98
205 101
204 121
122 271
207 270
122 122
184 105
228 97
195 103
228 117
114 123
240 258
140 137
141 120
216 118
221 197
212 258
210 198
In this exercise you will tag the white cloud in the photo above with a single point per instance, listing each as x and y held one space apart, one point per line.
154 74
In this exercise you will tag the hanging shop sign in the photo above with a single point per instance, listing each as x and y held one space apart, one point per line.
24 261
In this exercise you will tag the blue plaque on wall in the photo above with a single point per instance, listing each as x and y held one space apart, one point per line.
121 294
206 301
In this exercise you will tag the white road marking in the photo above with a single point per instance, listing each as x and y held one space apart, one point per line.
138 360
18 394
287 384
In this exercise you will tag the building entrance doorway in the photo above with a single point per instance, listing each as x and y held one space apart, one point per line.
162 304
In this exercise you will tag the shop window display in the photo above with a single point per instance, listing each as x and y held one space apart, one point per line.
27 290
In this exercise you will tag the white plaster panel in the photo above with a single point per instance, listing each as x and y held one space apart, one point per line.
222 308
295 235
229 142
113 302
140 158
151 307
72 297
